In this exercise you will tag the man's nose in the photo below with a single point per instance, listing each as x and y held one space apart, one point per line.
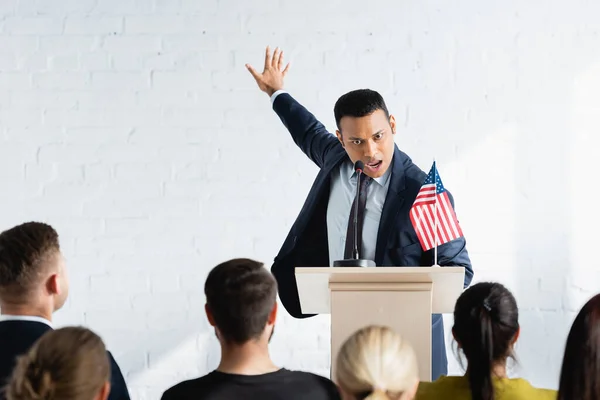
370 149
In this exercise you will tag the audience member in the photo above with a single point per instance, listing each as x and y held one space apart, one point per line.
65 364
580 372
241 305
375 363
33 285
486 327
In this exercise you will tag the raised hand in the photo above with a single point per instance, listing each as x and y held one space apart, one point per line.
271 79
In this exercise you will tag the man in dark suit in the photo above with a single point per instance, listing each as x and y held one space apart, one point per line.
33 285
318 237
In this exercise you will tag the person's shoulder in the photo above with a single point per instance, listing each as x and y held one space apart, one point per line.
188 387
302 375
314 381
547 394
24 328
444 384
16 337
527 390
414 176
179 390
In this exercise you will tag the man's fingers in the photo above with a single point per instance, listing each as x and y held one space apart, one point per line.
275 57
280 61
287 68
255 74
267 57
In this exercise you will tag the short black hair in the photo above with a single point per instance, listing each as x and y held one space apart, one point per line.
358 103
240 294
24 252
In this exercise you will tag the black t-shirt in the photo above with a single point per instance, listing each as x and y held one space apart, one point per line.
281 384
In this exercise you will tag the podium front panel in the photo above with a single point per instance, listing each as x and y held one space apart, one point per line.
405 308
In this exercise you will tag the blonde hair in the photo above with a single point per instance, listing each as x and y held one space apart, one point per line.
66 364
376 363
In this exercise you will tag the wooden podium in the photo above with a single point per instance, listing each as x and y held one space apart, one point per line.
402 298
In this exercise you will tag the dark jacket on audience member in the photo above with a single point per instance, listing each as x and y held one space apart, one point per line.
16 337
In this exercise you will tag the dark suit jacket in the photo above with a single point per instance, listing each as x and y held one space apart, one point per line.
16 337
397 242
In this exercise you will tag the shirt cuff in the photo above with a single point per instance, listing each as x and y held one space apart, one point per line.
277 93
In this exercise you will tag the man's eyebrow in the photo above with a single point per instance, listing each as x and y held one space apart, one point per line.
376 133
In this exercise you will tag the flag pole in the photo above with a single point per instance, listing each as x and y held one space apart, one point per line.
435 217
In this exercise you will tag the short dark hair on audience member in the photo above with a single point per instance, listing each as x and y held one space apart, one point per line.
358 103
486 323
24 251
240 294
64 364
580 372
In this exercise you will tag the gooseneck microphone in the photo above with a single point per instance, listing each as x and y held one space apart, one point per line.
355 261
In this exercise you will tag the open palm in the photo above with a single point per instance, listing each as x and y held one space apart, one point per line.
271 79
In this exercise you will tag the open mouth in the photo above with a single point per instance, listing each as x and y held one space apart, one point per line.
374 166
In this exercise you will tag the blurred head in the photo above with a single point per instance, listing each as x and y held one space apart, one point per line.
486 327
64 364
376 363
32 268
366 130
241 301
581 363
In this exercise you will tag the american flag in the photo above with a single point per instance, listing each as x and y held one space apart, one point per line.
433 200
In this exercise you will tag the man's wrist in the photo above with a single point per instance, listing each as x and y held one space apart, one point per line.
276 93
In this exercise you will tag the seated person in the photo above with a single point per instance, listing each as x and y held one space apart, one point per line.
65 364
486 327
33 285
581 363
376 363
241 303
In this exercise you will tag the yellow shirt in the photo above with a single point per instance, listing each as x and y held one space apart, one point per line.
457 388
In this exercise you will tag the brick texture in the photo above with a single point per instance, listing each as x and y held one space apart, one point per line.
133 127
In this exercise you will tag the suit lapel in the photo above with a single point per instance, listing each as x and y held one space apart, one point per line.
393 203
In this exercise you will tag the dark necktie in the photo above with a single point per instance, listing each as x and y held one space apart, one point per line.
362 202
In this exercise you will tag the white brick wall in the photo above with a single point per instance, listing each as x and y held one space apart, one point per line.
133 127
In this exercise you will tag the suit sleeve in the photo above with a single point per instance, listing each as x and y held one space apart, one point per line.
454 254
118 387
308 133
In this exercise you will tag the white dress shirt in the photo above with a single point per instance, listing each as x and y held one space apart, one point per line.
341 195
25 318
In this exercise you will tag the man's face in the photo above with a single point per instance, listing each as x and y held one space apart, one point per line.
369 139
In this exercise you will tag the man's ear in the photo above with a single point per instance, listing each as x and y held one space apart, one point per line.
339 136
53 285
273 315
393 124
104 391
209 315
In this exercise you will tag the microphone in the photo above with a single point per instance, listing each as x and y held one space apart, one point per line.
355 261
